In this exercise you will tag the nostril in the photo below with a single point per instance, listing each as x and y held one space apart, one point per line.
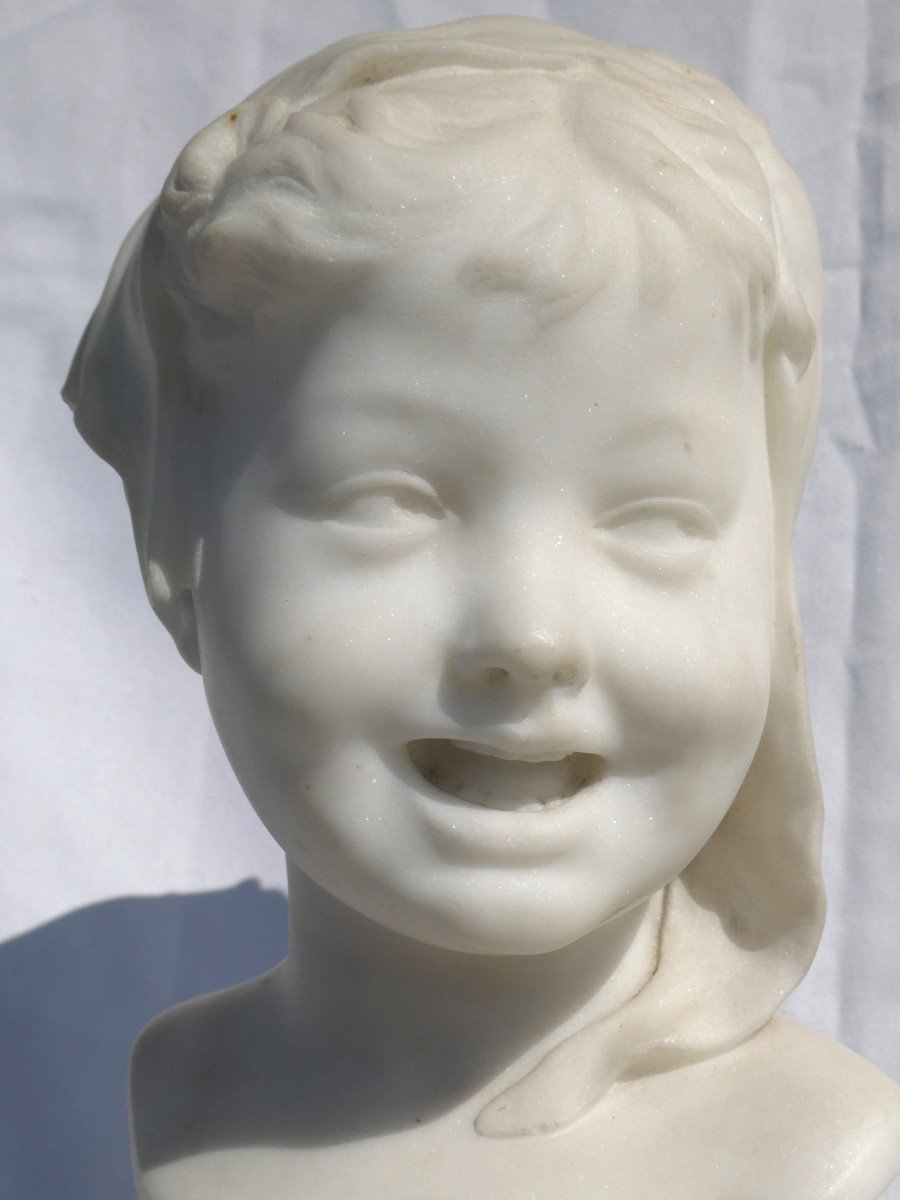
495 675
566 675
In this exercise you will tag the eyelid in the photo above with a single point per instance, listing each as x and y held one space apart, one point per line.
374 481
694 522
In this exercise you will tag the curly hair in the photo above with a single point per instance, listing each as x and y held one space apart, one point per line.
557 160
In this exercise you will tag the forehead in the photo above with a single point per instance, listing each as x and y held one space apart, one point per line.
417 361
419 322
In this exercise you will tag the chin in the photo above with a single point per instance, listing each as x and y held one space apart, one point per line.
518 917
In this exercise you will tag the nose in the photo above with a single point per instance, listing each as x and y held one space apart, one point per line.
522 634
536 660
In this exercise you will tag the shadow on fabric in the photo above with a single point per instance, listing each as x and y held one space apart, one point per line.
75 993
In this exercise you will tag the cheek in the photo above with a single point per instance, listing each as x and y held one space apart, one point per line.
694 674
304 634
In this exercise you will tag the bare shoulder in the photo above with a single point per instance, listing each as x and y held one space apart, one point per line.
838 1115
182 1065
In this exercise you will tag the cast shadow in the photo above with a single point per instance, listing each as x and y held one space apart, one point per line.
75 993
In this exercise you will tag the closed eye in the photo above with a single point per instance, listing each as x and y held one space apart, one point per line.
660 525
394 503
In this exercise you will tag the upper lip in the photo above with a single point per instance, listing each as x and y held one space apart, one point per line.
519 747
519 754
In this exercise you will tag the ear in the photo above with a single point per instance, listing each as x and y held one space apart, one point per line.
177 612
170 550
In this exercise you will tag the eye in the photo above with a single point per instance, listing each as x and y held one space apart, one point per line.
660 526
396 504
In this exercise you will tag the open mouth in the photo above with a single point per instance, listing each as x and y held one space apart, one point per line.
492 778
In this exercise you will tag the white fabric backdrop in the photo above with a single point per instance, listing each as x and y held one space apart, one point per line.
128 846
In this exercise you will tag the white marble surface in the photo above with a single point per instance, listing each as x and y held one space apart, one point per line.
83 163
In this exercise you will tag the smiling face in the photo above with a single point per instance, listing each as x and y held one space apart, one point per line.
484 603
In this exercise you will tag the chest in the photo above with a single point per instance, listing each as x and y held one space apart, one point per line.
632 1148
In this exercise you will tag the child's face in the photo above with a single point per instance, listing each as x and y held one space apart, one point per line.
485 607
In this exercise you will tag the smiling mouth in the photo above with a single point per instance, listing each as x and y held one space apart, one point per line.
493 778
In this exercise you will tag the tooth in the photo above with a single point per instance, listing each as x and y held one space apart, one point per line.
472 772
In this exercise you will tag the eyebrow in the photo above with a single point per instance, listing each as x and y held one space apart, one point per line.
379 419
395 403
674 432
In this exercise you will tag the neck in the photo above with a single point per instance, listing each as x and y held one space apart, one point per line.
430 1027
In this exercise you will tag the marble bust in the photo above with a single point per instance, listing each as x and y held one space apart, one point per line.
463 383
